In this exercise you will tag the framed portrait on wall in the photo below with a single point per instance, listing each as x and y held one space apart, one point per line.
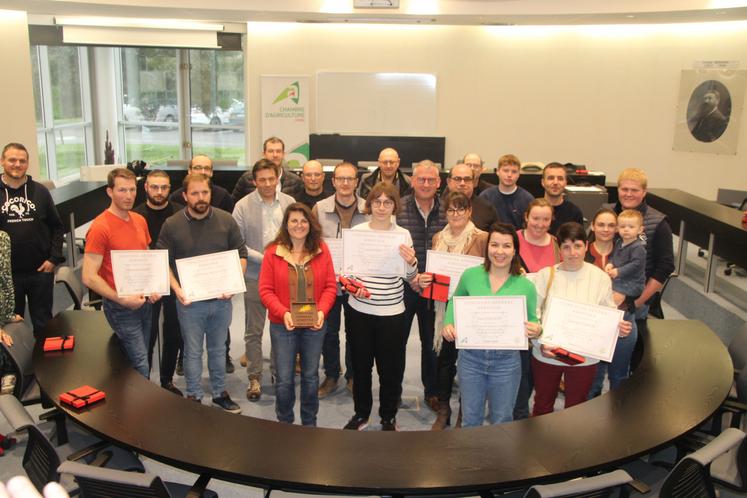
709 111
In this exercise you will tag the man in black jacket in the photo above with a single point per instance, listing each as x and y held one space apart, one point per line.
422 215
460 179
274 151
388 171
29 216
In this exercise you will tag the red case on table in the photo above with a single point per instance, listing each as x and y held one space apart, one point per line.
567 357
82 396
63 343
351 285
439 288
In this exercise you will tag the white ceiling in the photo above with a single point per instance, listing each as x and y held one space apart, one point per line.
468 12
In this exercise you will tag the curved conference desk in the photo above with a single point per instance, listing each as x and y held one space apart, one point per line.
685 374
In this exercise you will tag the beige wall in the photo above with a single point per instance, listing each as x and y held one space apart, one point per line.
601 96
17 122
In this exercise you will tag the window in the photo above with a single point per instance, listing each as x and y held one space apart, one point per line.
62 109
176 103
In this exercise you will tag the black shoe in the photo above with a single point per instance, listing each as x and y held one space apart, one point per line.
389 425
356 423
226 403
171 387
180 367
229 365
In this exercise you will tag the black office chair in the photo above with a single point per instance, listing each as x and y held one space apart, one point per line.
76 289
600 486
96 482
654 308
26 388
41 458
691 476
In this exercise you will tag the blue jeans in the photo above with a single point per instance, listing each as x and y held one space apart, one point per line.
492 375
209 319
133 330
619 369
285 344
331 348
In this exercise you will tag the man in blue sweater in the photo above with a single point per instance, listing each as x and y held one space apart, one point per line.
509 200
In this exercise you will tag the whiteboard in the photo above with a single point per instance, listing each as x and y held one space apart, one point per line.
385 103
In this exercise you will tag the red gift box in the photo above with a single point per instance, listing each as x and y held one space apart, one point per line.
567 357
63 343
438 290
82 396
351 285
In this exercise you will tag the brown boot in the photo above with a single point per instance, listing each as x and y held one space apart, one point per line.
443 417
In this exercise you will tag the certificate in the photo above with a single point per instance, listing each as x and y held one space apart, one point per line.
490 322
453 265
373 252
141 273
586 329
335 250
211 275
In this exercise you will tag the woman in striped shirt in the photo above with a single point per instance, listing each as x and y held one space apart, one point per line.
376 322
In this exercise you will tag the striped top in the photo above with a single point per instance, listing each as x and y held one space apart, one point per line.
386 292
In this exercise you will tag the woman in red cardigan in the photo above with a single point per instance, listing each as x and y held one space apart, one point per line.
296 269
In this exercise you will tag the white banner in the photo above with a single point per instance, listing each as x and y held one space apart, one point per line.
285 114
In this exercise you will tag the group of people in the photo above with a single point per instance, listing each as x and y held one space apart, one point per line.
277 221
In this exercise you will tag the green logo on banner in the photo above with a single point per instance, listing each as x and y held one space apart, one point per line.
293 92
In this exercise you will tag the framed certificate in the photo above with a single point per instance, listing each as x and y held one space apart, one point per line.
453 265
373 252
211 275
141 273
587 329
490 322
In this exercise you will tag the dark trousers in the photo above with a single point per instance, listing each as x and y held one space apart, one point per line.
446 370
521 408
331 346
38 288
380 339
172 337
423 308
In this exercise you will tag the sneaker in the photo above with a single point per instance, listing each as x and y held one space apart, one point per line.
7 384
171 387
243 361
194 398
356 423
349 385
254 390
229 365
327 387
389 425
226 403
180 367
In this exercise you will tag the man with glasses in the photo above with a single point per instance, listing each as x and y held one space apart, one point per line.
342 210
313 188
273 150
422 215
156 209
475 162
460 179
221 199
388 172
259 216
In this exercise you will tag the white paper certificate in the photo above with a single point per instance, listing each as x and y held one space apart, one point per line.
373 252
453 265
335 250
141 273
490 322
211 275
586 329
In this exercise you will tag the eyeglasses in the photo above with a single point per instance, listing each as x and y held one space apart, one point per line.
456 211
345 179
202 168
474 165
387 203
159 187
460 179
422 180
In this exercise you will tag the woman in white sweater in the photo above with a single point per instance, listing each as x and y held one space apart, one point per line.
578 281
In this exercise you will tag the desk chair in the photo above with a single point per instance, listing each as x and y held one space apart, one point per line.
20 353
96 482
655 308
589 487
74 286
692 474
41 459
